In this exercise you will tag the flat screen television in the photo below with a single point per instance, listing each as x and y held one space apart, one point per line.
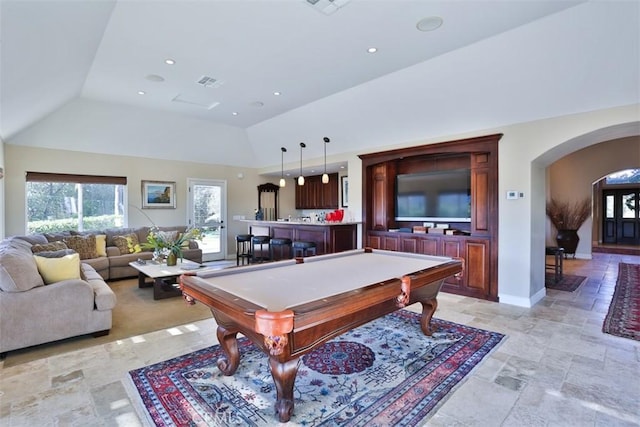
434 196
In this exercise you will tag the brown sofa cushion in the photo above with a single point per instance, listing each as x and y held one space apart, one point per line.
84 245
49 247
122 242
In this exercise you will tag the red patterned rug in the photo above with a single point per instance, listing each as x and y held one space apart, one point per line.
383 373
569 282
623 318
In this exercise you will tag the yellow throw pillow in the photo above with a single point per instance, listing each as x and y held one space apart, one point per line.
101 244
55 270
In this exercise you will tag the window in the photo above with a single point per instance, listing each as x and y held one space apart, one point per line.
57 202
629 176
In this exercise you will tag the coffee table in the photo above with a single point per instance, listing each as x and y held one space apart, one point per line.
164 277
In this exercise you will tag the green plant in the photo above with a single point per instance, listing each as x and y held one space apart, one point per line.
568 215
171 241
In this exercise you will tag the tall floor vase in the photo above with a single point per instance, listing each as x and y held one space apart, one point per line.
568 239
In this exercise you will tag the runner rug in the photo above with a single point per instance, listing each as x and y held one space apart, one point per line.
623 318
569 282
383 373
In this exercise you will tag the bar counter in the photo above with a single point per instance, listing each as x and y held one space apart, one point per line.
329 237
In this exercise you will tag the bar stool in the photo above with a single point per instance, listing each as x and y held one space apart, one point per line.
260 240
304 248
557 265
280 243
243 248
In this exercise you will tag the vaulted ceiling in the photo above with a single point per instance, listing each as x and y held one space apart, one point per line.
251 76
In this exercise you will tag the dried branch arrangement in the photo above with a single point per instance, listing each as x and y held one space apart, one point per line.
568 215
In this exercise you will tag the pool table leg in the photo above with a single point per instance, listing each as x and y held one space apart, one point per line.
230 360
428 309
284 376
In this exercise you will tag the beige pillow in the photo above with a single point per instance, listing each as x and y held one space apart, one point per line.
49 247
84 245
101 244
123 242
55 270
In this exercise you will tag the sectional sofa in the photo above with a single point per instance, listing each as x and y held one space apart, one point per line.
111 256
52 286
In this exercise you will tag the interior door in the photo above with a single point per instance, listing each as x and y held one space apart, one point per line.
207 210
621 223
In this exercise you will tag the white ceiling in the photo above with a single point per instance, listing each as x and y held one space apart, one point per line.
57 53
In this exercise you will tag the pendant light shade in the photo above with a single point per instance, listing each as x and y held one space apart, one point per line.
301 178
325 177
283 183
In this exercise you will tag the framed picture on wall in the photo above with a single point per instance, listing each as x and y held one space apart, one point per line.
158 195
344 185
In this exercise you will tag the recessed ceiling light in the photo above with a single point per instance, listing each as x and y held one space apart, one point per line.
276 93
372 50
235 113
429 23
169 61
141 92
154 78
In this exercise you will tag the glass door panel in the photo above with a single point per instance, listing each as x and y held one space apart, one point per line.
207 210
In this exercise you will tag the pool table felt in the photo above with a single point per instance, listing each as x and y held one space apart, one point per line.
283 285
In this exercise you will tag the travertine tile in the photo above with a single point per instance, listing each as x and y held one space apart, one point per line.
555 367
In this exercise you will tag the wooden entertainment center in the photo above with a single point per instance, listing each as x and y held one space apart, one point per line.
476 241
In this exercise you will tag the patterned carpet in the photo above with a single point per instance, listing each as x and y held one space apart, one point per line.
569 282
383 373
623 318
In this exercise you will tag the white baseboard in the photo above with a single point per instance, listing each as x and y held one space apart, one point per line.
523 302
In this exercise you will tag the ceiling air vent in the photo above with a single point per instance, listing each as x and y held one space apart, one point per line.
327 6
207 81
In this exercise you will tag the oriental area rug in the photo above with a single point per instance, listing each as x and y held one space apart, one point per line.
623 318
385 373
569 282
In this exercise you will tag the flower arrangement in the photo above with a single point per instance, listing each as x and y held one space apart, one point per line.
164 243
568 215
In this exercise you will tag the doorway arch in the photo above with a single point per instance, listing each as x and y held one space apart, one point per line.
541 192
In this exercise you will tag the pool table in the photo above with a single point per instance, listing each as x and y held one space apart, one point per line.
288 308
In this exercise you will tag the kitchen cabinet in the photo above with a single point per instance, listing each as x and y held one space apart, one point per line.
316 195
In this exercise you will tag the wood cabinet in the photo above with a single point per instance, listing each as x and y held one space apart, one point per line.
476 278
316 195
478 246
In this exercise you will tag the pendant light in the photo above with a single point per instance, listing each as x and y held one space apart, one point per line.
283 183
325 177
301 178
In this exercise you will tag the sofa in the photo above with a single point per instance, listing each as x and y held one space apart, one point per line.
106 250
49 296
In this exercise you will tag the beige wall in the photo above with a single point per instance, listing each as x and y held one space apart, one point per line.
525 152
242 193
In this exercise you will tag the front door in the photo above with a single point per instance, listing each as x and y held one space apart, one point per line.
621 209
207 210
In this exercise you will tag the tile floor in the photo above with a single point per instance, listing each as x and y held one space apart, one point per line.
556 367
